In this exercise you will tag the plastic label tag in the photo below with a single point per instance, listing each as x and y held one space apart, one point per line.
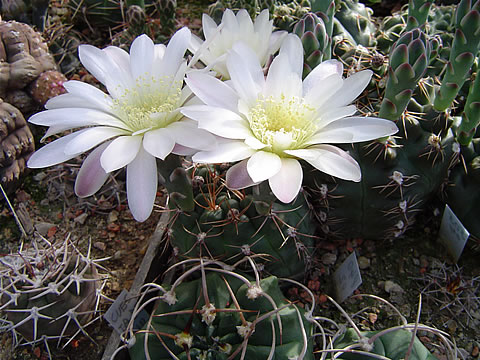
453 234
120 312
347 278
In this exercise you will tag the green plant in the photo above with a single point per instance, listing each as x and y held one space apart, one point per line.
400 174
222 314
228 225
49 291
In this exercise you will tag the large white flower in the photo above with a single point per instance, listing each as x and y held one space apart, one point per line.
220 39
270 123
138 121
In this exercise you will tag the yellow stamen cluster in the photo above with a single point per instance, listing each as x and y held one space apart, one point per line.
149 104
282 123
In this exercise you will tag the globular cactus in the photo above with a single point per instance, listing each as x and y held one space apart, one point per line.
24 57
228 225
16 146
216 9
221 314
49 291
400 174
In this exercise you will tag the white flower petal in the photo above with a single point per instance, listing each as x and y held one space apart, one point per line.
94 60
183 150
352 87
263 165
244 21
91 137
81 94
188 134
276 40
242 80
53 153
286 183
141 56
263 26
159 142
212 91
333 114
254 143
251 61
281 80
237 177
320 94
120 152
142 182
225 152
158 52
320 72
229 21
91 175
354 129
175 52
331 160
292 47
71 118
209 26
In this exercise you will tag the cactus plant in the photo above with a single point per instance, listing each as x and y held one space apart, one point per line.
228 224
221 315
402 173
16 146
24 57
49 291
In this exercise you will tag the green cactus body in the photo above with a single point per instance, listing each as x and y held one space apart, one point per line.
215 10
228 326
392 345
230 225
400 174
49 292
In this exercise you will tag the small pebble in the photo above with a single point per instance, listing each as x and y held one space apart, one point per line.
100 245
363 262
43 227
328 258
80 219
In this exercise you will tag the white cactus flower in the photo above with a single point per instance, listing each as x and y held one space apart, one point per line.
219 39
272 122
138 121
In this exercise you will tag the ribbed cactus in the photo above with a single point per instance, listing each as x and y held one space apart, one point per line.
401 174
49 291
222 314
228 225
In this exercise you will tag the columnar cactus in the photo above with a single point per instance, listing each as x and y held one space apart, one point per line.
222 314
49 291
401 173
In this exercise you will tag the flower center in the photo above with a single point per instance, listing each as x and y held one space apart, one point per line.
282 123
150 104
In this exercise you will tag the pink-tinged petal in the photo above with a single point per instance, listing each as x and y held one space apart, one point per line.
212 91
142 182
53 153
354 129
237 177
293 49
183 150
91 137
321 72
263 165
187 134
352 87
141 56
91 175
159 142
120 152
331 160
225 152
286 183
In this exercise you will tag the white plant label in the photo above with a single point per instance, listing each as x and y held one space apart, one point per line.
453 234
347 278
120 312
